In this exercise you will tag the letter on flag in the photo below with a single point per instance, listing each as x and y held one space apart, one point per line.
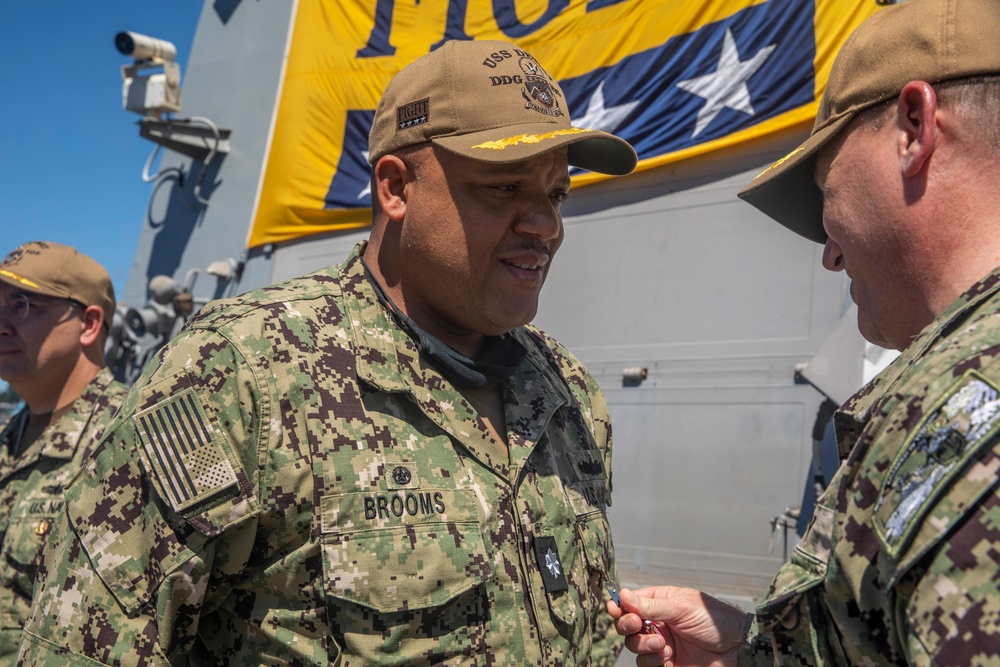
674 78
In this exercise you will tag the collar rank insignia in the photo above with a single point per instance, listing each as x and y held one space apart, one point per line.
547 557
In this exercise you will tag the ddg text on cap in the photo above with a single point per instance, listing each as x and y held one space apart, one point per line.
489 101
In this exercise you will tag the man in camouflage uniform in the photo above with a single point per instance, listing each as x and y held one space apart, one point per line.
900 564
376 464
56 306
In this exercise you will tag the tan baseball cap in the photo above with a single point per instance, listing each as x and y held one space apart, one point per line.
53 269
490 101
918 40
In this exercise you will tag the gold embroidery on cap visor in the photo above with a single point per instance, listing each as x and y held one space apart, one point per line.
501 144
20 279
781 161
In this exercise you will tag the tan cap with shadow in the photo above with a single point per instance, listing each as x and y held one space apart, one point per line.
53 269
918 40
489 101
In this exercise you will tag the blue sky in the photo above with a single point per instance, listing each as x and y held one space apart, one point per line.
70 156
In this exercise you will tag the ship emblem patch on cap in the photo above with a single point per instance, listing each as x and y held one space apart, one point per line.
17 254
414 113
538 93
14 257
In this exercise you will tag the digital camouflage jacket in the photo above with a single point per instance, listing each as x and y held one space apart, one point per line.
290 482
901 563
31 494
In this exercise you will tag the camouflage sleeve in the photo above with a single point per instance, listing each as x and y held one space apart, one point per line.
757 649
949 600
137 557
936 519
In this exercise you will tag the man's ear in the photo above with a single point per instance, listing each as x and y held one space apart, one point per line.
391 178
91 325
916 116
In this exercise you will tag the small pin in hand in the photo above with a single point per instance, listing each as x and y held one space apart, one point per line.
648 627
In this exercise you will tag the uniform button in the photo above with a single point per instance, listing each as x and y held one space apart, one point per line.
791 619
42 527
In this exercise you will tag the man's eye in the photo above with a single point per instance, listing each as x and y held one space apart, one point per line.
560 196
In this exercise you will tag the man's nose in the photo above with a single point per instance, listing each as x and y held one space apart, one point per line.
540 218
833 256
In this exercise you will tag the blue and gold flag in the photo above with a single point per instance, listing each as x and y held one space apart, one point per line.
673 77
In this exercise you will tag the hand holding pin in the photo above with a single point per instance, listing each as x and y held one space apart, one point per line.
648 627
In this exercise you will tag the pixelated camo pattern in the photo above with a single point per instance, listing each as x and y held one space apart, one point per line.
901 563
31 495
370 519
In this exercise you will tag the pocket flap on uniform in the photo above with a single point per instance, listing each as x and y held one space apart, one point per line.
804 571
420 551
787 589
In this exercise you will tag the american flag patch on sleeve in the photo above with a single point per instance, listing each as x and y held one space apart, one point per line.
188 463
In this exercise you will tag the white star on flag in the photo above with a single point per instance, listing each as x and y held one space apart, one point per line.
727 86
600 117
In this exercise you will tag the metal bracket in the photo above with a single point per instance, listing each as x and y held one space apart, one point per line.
194 139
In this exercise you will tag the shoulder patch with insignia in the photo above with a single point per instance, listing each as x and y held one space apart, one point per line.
187 463
950 434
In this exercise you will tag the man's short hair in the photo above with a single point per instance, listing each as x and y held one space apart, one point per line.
975 99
